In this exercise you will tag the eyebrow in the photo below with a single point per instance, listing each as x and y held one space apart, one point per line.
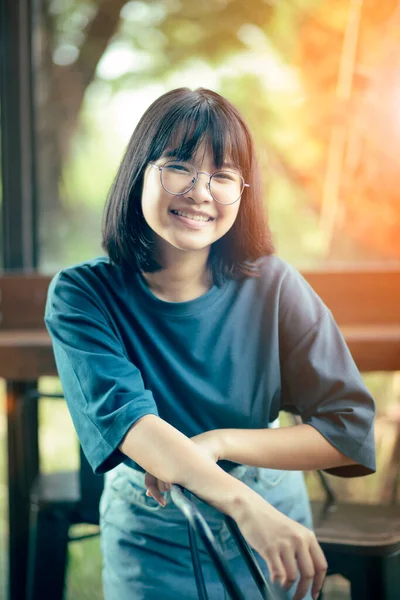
231 165
172 154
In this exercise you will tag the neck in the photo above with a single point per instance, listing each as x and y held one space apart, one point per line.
184 277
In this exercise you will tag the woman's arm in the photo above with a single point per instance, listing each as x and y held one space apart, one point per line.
286 546
171 457
297 448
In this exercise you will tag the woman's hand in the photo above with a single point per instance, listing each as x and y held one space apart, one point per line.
287 547
210 443
156 487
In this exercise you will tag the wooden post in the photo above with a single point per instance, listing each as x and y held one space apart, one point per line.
22 445
18 251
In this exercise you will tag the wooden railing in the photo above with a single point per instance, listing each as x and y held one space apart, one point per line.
366 305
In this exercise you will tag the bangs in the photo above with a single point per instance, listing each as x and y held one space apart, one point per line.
222 133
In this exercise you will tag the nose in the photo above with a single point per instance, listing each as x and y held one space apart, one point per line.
200 192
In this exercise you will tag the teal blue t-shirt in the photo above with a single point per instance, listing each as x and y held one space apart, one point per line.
232 358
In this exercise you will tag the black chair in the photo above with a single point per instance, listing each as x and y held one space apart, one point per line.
198 526
362 543
58 501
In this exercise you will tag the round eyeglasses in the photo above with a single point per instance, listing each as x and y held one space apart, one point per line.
179 177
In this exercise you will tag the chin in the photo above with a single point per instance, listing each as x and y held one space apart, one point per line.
191 247
188 242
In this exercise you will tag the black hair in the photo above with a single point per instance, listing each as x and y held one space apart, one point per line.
185 118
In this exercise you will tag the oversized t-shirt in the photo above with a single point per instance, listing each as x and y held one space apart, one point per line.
232 358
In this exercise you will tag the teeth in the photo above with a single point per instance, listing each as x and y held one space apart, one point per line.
189 216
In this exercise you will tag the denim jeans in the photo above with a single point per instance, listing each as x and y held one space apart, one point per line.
146 553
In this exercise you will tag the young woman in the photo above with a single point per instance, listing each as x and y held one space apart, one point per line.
177 351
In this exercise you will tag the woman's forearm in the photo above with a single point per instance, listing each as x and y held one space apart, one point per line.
297 448
172 457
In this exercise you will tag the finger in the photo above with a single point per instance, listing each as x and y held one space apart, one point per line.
151 484
290 567
163 486
149 479
321 567
275 567
157 495
307 572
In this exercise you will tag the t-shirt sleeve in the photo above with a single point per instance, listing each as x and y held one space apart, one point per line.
320 380
104 390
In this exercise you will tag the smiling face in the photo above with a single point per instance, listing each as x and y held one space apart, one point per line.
192 221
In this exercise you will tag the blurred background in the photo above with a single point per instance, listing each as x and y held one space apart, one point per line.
318 81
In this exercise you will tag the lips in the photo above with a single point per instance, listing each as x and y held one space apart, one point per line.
193 224
194 216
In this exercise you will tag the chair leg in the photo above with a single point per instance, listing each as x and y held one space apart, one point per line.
367 580
48 550
391 567
370 577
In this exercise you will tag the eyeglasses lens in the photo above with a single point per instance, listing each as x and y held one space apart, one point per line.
178 177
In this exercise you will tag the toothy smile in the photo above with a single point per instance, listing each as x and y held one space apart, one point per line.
194 217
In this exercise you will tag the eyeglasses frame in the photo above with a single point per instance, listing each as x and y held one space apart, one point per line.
160 168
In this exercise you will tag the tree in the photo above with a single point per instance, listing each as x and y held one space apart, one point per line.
61 88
